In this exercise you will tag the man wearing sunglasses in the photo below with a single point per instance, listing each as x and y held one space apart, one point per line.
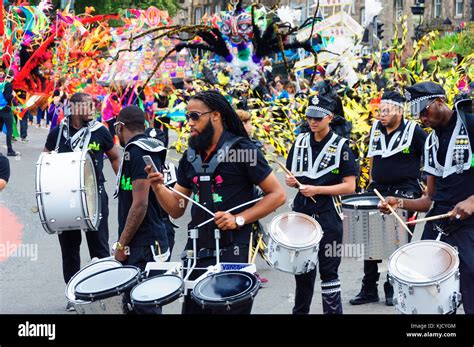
449 164
219 183
395 150
325 166
75 133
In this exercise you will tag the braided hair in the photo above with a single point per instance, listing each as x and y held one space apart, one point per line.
217 102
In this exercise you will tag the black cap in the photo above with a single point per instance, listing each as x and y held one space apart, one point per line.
422 94
394 98
320 106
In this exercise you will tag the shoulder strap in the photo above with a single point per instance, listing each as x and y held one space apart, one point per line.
199 167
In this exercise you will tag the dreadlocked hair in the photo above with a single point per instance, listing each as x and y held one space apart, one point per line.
217 102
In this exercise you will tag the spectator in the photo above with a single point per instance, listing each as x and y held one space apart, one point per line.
4 171
6 115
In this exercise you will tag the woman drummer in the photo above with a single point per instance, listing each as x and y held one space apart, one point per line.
324 165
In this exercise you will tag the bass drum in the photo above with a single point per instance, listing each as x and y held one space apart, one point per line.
67 192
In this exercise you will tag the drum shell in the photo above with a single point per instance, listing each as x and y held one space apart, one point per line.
380 234
434 298
82 307
226 305
60 192
292 259
438 296
111 301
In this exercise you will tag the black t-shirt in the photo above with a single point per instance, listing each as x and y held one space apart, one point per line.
4 168
152 228
401 170
347 167
234 183
101 141
456 187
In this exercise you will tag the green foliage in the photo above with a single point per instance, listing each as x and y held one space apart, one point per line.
460 43
113 6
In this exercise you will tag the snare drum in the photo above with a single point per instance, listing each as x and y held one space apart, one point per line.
364 224
91 269
157 291
67 192
425 278
225 290
105 290
293 244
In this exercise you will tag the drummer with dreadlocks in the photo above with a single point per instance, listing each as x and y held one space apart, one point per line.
325 166
219 170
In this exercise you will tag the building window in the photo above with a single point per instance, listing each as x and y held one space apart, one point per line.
437 8
398 10
217 8
459 8
197 15
362 16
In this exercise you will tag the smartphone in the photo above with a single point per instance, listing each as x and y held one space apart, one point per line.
149 162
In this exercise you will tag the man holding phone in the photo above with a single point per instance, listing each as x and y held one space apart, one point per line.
142 233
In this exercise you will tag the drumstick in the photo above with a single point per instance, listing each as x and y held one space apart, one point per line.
250 247
441 216
288 172
232 209
395 214
256 249
191 200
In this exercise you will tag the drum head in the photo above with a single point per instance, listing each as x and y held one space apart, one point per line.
157 291
295 229
423 262
90 186
87 271
224 288
361 201
91 191
107 283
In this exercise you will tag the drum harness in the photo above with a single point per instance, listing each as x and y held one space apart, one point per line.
327 160
205 173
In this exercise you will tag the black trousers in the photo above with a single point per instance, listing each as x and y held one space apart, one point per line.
328 261
234 253
463 240
170 232
139 256
7 119
97 242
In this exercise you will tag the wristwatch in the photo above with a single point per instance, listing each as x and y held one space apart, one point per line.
117 246
240 221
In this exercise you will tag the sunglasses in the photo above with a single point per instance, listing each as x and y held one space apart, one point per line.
195 115
309 119
117 123
423 112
